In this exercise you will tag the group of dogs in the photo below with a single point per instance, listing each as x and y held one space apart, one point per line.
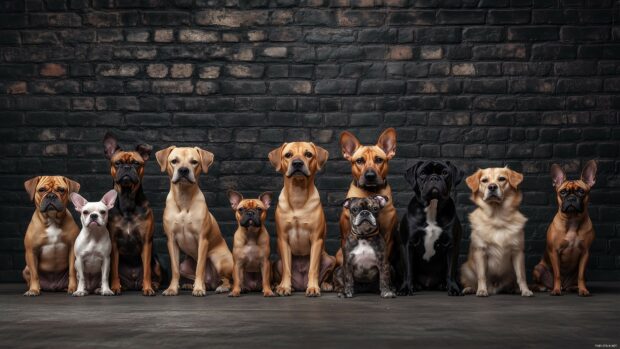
114 249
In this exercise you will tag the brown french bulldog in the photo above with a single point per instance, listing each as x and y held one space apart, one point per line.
569 236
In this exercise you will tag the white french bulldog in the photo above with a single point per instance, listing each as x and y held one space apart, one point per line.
93 245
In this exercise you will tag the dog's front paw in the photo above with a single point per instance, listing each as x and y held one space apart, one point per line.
71 289
469 290
454 290
556 292
327 287
149 292
283 290
313 291
199 292
222 289
107 292
583 292
527 293
406 290
116 288
80 293
170 291
388 294
482 293
268 293
187 286
236 292
33 292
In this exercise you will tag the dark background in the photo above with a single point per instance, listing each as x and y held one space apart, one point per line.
522 83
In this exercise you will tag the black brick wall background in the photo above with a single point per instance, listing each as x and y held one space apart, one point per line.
483 83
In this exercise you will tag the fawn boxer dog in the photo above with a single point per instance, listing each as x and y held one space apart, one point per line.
189 225
300 221
251 250
134 266
369 166
569 236
50 237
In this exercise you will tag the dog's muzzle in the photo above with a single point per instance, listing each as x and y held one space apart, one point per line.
297 168
435 187
183 174
572 204
127 176
364 224
51 202
370 179
250 218
493 193
365 216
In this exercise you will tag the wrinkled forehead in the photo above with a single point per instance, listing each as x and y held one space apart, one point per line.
298 147
126 157
432 166
185 153
574 185
368 151
52 182
95 206
251 204
362 202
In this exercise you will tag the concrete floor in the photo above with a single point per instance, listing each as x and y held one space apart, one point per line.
429 320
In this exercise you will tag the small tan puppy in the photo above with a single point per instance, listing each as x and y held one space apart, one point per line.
188 224
496 262
251 250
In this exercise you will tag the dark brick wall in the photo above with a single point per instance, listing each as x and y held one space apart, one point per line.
483 83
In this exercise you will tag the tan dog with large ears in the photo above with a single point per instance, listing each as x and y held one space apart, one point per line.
369 167
569 236
50 237
300 221
496 260
189 226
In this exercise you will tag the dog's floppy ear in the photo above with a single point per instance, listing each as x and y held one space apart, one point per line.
473 181
382 200
387 142
346 203
162 157
110 145
588 174
457 174
275 157
410 174
234 198
144 150
79 201
557 175
349 144
266 199
31 186
514 178
73 186
109 198
206 159
321 156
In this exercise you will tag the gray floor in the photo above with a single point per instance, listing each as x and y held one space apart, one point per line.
429 319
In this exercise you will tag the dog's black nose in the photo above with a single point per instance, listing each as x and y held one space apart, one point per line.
298 163
250 213
370 175
184 171
94 216
492 187
52 196
364 213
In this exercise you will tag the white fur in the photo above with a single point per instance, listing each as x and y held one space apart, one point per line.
364 258
54 245
358 219
433 231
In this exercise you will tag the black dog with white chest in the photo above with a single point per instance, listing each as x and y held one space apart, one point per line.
364 268
430 230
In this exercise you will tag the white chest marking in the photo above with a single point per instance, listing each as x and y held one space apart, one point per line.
53 240
432 230
364 256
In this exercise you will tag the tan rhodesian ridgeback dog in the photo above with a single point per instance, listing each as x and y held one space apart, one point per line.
369 166
50 237
569 236
190 227
300 221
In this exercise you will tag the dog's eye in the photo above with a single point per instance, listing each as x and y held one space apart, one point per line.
42 190
444 172
308 154
61 190
580 191
288 155
501 179
484 180
102 212
563 192
174 161
117 163
194 162
85 213
259 209
375 209
378 160
360 161
135 163
355 209
240 209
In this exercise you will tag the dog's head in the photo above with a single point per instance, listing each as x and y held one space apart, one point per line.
573 196
50 194
364 214
369 163
495 186
250 212
126 167
184 164
433 179
94 214
298 159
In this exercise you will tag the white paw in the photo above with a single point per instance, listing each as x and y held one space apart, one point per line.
527 293
170 292
482 293
199 292
222 289
80 293
107 292
388 294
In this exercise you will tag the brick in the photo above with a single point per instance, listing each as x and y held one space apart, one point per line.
181 70
500 51
163 35
245 70
463 69
290 87
206 87
533 33
511 16
483 34
461 16
243 87
53 70
382 86
431 52
157 70
117 70
195 35
232 18
440 35
360 18
209 72
412 17
338 87
275 52
171 86
400 53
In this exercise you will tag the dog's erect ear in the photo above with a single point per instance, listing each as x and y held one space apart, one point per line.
382 200
144 150
349 144
266 199
109 198
275 157
588 174
162 157
473 181
346 203
557 175
110 145
234 198
73 186
410 175
387 142
206 159
514 178
457 175
78 201
31 186
321 156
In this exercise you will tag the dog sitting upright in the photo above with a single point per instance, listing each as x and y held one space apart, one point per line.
300 221
251 250
50 237
190 227
93 245
364 262
569 236
496 261
431 230
134 266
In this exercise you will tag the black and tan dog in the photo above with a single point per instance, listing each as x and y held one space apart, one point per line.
130 222
50 237
431 231
569 236
251 250
364 265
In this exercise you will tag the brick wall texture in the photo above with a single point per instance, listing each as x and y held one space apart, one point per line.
522 83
